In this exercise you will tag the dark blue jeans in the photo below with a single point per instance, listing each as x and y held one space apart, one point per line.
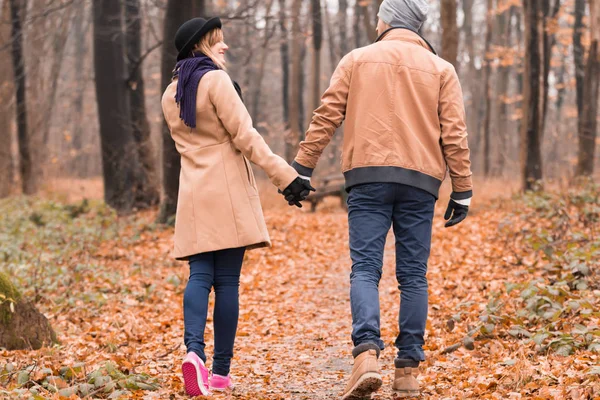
372 209
221 270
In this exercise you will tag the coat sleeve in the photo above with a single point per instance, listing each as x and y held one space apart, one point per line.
235 118
454 132
326 119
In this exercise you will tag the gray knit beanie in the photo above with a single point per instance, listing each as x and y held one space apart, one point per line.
404 13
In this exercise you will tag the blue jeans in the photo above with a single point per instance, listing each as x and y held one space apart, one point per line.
221 270
372 209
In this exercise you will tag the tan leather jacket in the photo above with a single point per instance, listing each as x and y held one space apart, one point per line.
404 117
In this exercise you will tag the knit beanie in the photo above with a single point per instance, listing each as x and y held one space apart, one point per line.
404 13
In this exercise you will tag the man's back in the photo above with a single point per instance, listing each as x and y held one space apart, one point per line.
401 103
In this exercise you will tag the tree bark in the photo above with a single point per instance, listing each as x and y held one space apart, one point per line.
295 84
449 32
269 31
549 25
146 186
78 160
284 49
504 70
356 24
531 137
488 90
369 27
579 53
178 11
588 121
28 183
120 163
7 91
342 18
317 27
330 39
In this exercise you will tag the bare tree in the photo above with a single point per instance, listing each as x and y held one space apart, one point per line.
284 49
120 163
449 32
549 26
588 122
147 183
317 28
28 183
342 19
78 164
502 88
178 11
268 33
369 27
6 106
531 135
488 90
295 83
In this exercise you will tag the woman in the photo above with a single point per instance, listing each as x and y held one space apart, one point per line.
219 214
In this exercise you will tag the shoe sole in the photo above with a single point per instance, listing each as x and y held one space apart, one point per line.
192 379
367 384
403 394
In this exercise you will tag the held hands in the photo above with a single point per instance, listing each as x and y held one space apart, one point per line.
297 191
457 211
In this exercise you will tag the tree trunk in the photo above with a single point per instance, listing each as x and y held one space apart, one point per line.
7 91
588 122
342 18
504 70
28 184
120 163
22 326
295 84
78 160
147 186
549 40
488 90
284 49
330 39
317 27
579 53
357 30
178 11
369 27
531 137
269 31
449 32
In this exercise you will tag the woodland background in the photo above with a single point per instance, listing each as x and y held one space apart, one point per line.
91 301
81 84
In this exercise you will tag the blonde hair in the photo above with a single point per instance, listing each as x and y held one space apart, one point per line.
209 40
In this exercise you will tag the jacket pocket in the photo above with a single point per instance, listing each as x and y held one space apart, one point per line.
249 173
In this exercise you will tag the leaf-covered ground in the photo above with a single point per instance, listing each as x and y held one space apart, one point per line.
514 303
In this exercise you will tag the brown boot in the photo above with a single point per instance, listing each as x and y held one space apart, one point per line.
405 379
365 378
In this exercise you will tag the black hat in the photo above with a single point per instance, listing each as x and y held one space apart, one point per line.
190 33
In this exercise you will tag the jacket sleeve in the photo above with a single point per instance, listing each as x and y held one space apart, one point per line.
326 119
454 134
235 118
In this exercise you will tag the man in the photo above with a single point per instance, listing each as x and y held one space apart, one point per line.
405 125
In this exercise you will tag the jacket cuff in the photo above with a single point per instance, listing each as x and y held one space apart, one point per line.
302 170
461 195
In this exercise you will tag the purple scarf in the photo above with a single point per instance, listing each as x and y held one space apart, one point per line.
190 71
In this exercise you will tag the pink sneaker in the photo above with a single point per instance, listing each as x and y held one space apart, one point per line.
219 382
195 375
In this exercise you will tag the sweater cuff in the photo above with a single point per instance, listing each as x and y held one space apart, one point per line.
302 170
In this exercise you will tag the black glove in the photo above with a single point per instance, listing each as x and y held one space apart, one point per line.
455 213
297 191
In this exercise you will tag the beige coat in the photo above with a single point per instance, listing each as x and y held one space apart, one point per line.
218 206
404 114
